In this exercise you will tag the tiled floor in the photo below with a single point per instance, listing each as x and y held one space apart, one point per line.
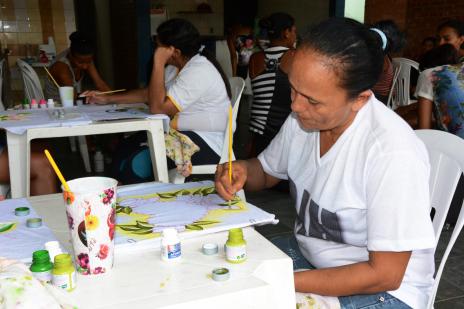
451 289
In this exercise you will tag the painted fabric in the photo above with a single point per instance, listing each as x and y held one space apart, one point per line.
19 289
444 86
369 192
180 149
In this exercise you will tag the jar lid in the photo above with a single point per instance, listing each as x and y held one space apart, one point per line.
34 222
22 211
209 249
220 274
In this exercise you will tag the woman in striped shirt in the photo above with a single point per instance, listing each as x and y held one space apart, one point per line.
268 72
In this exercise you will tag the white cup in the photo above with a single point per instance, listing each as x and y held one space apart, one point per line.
67 96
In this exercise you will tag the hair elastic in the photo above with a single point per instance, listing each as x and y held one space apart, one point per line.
383 36
201 49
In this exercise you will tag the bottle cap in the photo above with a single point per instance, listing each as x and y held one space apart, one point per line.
42 101
22 211
40 256
209 249
50 101
49 245
33 101
220 274
34 222
170 232
236 234
62 259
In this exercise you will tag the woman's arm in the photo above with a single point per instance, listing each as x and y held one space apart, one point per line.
158 102
100 84
131 96
425 113
383 271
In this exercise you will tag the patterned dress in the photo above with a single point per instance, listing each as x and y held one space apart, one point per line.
444 85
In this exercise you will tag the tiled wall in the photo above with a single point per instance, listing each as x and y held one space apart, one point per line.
24 24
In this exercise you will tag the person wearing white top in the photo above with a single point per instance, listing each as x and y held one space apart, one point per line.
358 174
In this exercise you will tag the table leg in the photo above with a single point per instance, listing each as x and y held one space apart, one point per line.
17 156
155 138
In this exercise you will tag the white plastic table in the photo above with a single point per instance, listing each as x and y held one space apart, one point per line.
139 279
19 146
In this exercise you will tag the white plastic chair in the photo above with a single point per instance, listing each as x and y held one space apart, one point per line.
447 164
33 90
236 84
2 64
400 91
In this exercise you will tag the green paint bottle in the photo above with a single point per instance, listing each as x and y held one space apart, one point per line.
64 274
236 246
41 266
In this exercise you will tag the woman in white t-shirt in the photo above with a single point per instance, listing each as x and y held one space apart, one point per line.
188 85
358 174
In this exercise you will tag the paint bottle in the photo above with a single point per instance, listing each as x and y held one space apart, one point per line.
42 103
170 246
50 103
26 103
41 266
64 274
235 246
53 248
34 104
99 162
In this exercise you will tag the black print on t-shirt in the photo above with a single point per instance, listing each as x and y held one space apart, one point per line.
326 228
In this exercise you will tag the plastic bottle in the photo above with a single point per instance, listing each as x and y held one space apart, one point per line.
235 246
64 274
53 248
42 103
26 103
99 162
170 246
34 104
50 103
41 266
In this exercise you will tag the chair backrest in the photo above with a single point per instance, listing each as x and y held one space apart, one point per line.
2 63
236 85
223 57
446 153
400 92
32 86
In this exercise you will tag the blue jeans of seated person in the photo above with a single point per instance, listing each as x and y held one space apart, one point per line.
289 245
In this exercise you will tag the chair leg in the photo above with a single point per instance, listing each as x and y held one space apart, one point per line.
84 153
72 142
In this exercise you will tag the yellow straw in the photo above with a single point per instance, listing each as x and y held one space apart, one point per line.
51 77
57 170
104 92
230 143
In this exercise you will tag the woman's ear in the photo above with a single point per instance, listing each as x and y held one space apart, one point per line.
361 100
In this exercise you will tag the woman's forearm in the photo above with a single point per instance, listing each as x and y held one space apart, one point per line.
424 113
157 89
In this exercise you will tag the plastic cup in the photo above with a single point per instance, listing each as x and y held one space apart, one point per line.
91 212
67 96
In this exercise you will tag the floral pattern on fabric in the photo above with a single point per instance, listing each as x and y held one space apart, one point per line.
448 86
180 149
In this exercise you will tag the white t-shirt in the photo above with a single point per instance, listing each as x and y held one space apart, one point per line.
199 93
369 192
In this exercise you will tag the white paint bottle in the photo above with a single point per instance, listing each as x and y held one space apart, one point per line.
170 246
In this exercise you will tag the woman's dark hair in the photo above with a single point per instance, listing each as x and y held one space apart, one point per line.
275 24
455 24
440 55
181 34
396 39
81 43
354 52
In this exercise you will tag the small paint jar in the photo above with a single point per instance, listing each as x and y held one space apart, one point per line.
64 274
170 246
41 266
235 246
50 103
34 104
42 103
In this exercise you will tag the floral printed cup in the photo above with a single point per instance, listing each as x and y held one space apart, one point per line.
91 212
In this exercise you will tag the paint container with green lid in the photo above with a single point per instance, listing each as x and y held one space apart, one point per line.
41 266
235 246
64 274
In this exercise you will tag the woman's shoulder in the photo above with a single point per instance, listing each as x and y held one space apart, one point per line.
286 60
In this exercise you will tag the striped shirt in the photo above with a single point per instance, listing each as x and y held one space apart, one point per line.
271 95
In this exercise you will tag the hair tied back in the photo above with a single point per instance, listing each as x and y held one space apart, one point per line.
201 49
382 36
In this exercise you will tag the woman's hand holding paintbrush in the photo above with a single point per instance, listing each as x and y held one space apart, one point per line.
224 186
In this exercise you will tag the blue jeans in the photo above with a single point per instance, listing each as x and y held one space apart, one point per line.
289 245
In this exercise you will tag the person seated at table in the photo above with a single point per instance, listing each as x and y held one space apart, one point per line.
357 172
269 81
43 179
72 64
452 32
393 41
197 99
